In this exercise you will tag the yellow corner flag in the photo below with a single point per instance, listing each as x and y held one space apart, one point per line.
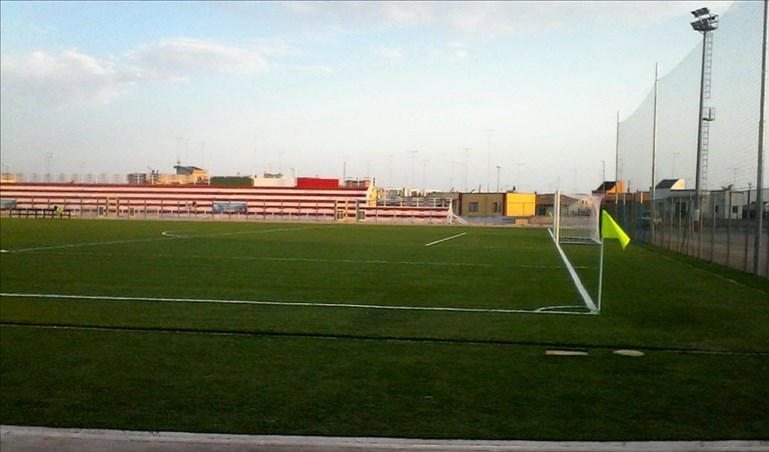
611 230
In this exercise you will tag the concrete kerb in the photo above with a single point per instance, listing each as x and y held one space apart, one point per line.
23 439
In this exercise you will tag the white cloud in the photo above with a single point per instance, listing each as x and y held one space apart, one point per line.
74 77
406 13
301 8
452 52
458 51
313 69
68 77
390 53
481 18
180 57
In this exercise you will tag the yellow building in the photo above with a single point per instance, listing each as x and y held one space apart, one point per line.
520 204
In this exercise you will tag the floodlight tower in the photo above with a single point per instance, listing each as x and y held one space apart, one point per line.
705 23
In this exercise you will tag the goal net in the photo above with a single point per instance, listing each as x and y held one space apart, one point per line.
577 218
577 236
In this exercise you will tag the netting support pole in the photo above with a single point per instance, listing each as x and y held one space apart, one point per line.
616 169
652 189
760 170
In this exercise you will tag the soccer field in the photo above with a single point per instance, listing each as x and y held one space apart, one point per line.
370 330
323 266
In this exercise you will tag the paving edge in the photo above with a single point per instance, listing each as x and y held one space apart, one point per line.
9 432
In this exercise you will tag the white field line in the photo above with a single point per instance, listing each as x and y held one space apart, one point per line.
446 239
258 231
577 282
86 244
307 259
303 259
173 235
165 235
355 261
287 303
558 308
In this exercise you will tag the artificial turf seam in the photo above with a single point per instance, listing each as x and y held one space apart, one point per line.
223 332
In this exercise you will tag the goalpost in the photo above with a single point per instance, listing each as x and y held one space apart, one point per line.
577 218
577 236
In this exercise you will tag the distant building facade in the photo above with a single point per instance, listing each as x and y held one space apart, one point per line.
185 175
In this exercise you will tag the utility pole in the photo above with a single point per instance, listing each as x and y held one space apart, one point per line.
413 168
488 160
467 165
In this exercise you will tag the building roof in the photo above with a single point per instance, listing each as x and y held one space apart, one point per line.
667 183
606 186
188 168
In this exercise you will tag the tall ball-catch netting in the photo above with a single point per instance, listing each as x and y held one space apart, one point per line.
733 59
704 168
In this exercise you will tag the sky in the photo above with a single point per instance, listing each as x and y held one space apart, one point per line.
430 95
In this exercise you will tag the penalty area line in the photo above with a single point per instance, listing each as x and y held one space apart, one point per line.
164 235
290 303
446 239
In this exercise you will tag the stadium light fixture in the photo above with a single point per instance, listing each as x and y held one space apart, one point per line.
705 21
706 24
700 12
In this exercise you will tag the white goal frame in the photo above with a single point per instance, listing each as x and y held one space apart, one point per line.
577 218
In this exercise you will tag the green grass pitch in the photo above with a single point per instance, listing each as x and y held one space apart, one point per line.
370 330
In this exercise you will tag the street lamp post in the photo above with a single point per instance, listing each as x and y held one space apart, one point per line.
498 168
603 176
488 160
413 168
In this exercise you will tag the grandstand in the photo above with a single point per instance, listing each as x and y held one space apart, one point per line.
277 203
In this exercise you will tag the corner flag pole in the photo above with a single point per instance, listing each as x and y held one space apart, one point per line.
600 279
609 230
557 216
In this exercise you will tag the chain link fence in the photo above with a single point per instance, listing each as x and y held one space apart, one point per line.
725 236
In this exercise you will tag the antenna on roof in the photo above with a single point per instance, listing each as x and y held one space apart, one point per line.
178 145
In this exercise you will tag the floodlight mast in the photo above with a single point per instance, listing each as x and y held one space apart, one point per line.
706 23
